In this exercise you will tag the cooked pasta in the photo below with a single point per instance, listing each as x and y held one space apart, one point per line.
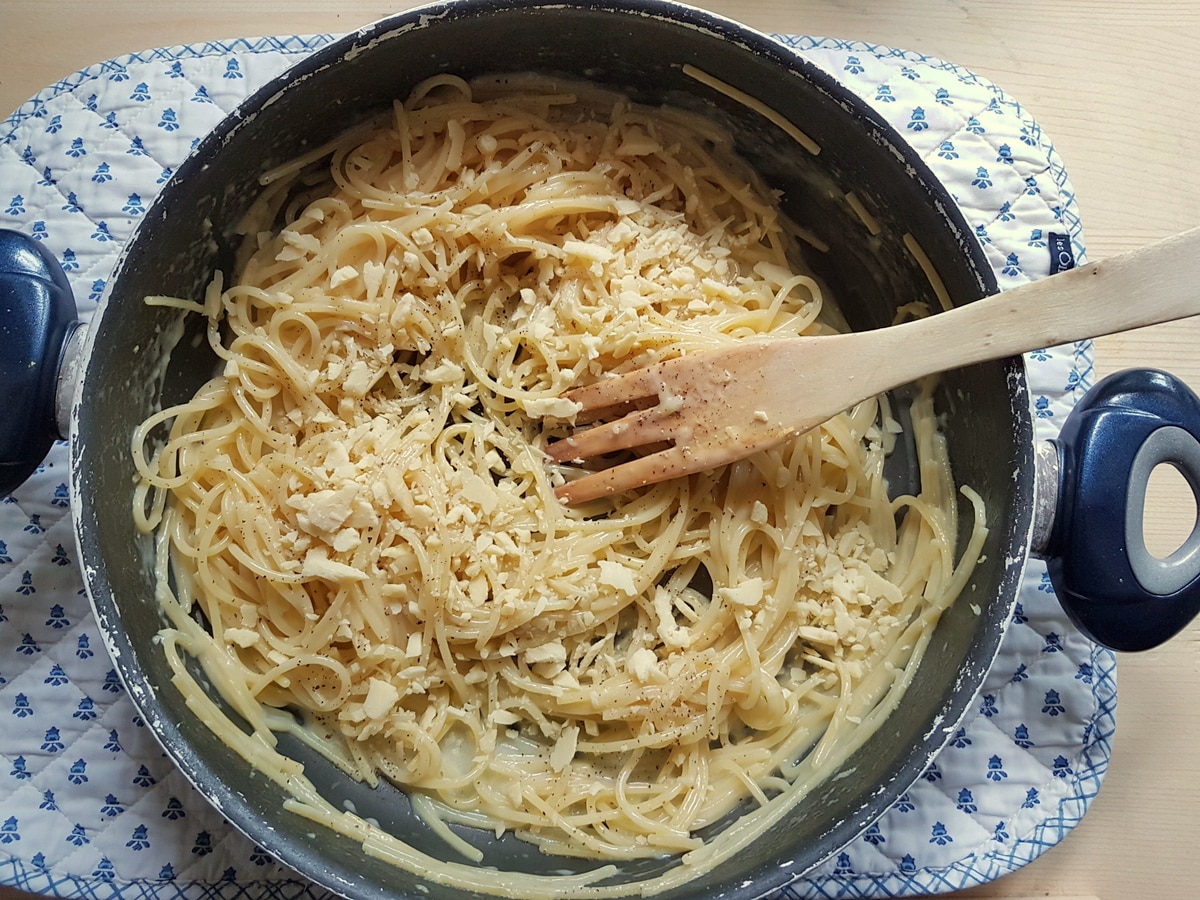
356 521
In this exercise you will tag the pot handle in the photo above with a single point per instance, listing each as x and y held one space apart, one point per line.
38 326
1110 585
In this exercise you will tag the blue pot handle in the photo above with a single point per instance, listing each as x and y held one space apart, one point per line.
37 321
1111 586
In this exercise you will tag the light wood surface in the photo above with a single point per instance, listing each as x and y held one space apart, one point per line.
1113 84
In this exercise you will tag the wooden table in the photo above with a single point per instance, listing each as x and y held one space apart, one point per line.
1112 84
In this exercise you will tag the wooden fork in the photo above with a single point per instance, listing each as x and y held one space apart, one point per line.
717 406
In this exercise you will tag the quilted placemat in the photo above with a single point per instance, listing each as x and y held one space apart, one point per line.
89 804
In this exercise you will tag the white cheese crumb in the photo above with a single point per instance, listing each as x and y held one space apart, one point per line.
668 401
372 273
325 510
635 142
359 380
446 372
381 697
560 407
297 246
318 565
816 635
617 576
564 748
342 275
413 649
643 665
748 593
504 717
243 637
480 491
552 652
346 539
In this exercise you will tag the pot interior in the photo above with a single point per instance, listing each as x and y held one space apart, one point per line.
136 364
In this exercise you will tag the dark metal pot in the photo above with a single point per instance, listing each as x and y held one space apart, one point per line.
132 362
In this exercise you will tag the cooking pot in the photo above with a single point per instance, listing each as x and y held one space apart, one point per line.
1077 502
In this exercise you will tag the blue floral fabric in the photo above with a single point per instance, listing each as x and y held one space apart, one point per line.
89 804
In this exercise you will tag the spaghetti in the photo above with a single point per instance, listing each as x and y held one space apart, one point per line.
355 520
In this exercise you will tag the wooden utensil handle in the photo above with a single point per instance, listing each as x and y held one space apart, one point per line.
1154 284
